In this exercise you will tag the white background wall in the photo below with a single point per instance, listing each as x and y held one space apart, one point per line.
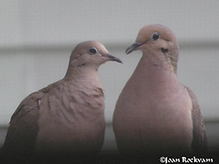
37 37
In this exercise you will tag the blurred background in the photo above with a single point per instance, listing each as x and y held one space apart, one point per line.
37 37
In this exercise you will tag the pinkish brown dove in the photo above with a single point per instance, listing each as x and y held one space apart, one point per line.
67 116
155 114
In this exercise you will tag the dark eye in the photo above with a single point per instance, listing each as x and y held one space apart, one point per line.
155 36
93 50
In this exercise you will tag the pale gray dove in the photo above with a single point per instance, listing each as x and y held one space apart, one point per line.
155 114
67 116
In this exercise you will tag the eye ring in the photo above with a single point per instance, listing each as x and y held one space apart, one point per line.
92 50
155 36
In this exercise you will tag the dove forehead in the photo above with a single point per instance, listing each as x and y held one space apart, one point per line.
83 47
146 32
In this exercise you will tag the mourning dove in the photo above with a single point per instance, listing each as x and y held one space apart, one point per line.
155 113
67 116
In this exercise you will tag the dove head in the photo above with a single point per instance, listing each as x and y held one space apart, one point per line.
157 42
89 55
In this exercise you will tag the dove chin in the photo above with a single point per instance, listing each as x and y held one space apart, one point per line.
135 46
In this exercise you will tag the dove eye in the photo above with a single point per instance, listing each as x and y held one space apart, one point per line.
92 50
155 36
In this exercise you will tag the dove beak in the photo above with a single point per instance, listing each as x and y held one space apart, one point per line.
133 47
112 58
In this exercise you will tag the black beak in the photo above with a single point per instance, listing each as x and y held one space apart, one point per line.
113 58
133 47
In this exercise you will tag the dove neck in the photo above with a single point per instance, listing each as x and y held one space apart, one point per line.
160 60
155 71
83 73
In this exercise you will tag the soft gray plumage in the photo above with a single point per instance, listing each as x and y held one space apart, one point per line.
155 114
67 116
